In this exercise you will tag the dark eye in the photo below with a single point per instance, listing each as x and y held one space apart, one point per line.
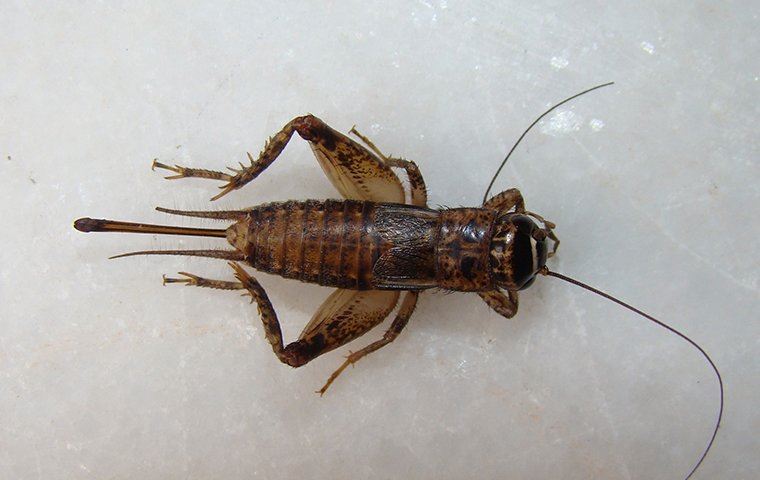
528 283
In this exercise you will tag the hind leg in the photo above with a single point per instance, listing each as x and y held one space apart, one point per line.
352 169
240 176
344 316
402 318
272 329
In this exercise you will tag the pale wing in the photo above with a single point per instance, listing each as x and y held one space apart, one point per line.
348 314
358 174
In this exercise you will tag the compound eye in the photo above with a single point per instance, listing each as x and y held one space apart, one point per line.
539 235
528 283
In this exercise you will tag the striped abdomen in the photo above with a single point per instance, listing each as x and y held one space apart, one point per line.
346 244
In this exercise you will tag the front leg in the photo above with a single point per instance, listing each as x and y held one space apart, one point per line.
512 198
549 230
507 200
505 305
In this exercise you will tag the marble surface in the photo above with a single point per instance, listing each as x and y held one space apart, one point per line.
653 185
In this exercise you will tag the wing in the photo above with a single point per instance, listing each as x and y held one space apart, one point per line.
348 314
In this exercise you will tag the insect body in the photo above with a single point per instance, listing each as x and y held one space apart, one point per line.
369 246
377 249
363 245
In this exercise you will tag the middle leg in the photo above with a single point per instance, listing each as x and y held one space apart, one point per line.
416 181
506 200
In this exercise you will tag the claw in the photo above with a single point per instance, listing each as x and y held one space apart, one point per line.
181 173
157 164
237 170
191 280
186 172
225 190
240 274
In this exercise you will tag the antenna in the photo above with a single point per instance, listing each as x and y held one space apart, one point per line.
546 271
504 162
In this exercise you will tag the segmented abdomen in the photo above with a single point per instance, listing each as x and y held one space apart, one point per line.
325 242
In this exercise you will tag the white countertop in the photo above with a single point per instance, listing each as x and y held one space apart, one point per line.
653 185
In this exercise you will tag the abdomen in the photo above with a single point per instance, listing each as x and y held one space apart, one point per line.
350 244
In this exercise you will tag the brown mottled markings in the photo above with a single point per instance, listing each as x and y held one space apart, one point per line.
343 248
293 241
370 246
366 254
328 244
348 265
261 232
278 228
307 216
253 219
312 241
461 254
351 244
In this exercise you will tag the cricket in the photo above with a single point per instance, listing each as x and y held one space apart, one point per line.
379 247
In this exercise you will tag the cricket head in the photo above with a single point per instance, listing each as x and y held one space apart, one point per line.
518 251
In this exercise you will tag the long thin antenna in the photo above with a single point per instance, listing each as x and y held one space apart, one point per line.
546 271
498 170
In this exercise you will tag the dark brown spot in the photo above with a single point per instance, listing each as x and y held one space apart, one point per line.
468 263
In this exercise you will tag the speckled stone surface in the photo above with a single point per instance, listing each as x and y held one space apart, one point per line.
653 185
